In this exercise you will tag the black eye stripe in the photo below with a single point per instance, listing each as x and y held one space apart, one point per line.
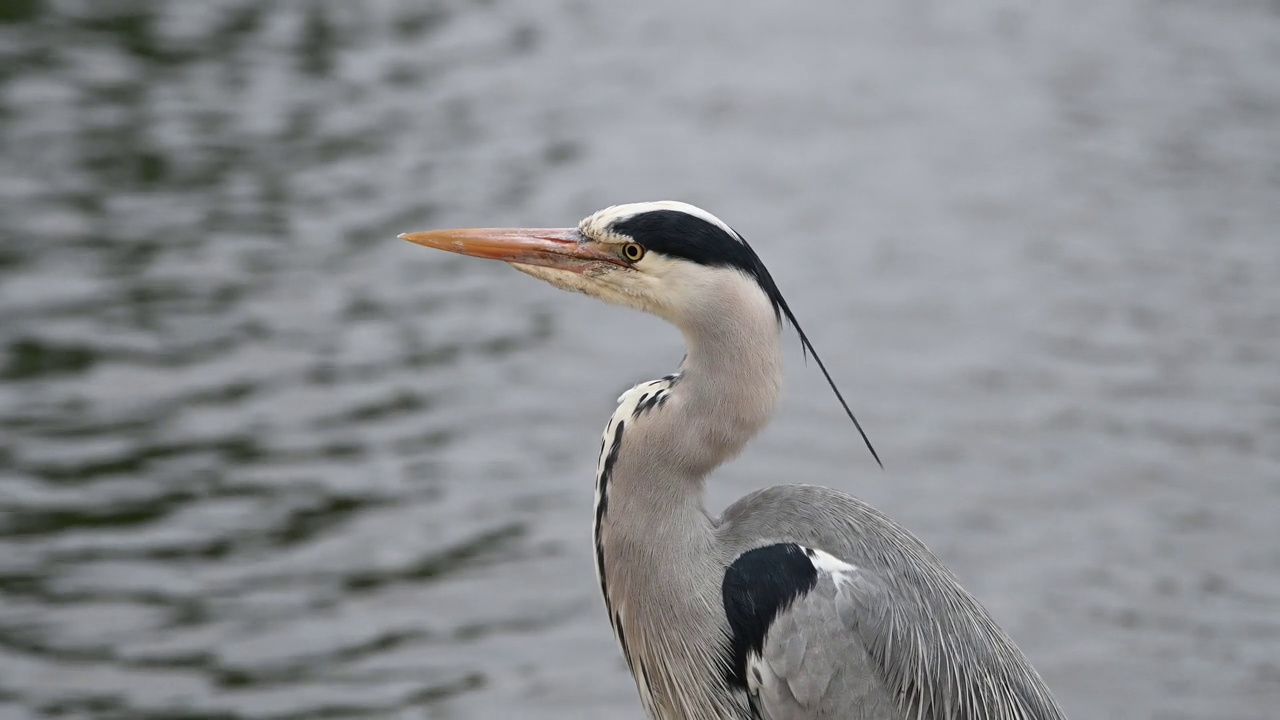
679 234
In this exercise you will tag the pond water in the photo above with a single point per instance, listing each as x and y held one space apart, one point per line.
259 459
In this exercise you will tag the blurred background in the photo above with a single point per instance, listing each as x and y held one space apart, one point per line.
259 459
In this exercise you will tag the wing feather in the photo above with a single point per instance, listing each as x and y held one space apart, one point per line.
886 632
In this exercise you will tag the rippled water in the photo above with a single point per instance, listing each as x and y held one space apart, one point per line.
259 459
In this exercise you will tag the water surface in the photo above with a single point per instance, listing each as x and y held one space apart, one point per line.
261 460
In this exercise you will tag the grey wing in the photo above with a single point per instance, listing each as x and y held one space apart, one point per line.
813 662
884 632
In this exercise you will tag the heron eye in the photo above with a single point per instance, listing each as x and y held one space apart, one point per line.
633 251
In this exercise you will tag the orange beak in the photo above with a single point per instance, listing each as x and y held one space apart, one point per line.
560 248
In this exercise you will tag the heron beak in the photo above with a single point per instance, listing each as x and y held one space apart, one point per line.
560 248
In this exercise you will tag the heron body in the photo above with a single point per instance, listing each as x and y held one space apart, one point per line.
798 602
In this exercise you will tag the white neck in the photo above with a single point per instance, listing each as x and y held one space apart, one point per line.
725 393
655 546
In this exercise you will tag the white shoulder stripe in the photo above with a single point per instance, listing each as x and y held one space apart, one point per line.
840 571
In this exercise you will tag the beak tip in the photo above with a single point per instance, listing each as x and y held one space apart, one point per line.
403 236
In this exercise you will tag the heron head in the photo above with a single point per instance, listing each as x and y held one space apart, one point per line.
667 258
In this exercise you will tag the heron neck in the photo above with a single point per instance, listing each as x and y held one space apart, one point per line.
672 433
731 378
657 554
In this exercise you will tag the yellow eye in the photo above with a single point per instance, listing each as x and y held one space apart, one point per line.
633 251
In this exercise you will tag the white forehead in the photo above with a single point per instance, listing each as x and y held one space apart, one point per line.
597 224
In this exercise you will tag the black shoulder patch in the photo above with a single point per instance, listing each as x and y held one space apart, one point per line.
682 235
758 585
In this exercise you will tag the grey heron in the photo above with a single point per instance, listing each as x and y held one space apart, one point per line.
798 601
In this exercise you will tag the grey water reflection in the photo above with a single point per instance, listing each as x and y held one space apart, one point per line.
260 460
